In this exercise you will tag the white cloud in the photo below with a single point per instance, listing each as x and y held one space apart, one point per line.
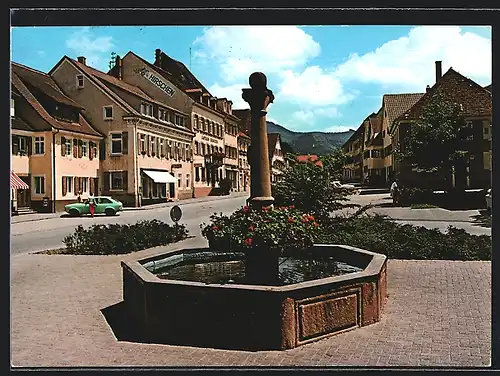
84 43
41 53
407 63
241 50
339 128
313 87
231 92
303 116
310 116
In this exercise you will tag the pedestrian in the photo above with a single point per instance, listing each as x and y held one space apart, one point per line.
91 206
395 192
79 199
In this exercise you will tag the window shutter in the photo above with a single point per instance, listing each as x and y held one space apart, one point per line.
91 150
75 148
125 142
102 150
106 181
148 145
75 185
139 146
80 142
63 146
168 148
29 143
157 143
64 186
15 144
125 180
91 186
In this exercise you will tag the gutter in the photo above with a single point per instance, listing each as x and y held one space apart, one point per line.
54 170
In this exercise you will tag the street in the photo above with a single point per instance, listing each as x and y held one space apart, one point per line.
46 234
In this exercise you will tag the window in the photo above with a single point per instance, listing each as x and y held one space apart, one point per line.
39 145
204 122
68 145
79 81
142 143
203 169
196 147
108 112
23 144
152 143
116 143
116 178
202 148
179 181
197 173
83 188
187 180
84 148
161 114
195 124
147 109
69 184
39 185
162 150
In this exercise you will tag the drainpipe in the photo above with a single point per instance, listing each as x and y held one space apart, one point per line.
54 170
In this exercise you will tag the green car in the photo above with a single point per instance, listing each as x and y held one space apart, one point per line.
103 204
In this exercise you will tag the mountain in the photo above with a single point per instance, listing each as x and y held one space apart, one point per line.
319 143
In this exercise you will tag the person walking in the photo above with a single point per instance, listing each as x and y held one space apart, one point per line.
92 206
79 198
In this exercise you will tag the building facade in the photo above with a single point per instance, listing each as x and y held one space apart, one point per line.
54 149
276 157
243 164
146 155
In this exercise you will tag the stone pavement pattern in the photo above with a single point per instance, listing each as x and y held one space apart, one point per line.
438 314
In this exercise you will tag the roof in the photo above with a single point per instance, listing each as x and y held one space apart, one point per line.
488 87
356 135
310 158
81 127
18 123
375 123
397 104
242 134
182 74
473 99
43 82
272 139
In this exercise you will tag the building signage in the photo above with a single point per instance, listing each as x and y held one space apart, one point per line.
177 165
205 138
153 78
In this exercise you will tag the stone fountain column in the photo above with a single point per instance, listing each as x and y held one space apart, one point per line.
261 264
259 97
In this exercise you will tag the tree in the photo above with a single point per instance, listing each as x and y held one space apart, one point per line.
308 186
435 141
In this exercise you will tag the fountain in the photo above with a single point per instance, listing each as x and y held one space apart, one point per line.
260 299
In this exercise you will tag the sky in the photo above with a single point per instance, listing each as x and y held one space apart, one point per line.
324 78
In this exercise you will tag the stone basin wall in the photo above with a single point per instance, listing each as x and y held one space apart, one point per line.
256 317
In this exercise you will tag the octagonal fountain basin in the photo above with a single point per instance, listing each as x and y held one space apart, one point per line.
200 297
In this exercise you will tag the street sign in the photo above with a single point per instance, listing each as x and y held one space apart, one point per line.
175 213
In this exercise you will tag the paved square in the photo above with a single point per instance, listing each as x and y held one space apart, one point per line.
438 314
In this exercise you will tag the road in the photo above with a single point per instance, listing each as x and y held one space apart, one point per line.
46 234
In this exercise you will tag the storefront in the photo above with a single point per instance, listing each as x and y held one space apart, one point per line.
157 186
16 185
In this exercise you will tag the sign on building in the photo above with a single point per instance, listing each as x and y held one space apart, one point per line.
154 79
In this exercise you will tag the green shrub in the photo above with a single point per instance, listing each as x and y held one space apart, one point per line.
410 196
380 234
118 239
283 228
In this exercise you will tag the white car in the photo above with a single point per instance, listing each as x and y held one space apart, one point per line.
488 200
338 184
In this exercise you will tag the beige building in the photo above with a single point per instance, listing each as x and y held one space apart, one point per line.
231 167
276 157
146 155
53 146
244 166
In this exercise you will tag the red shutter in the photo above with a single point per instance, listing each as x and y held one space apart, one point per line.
75 148
63 146
64 186
125 180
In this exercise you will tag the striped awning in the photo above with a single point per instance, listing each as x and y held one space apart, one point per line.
16 182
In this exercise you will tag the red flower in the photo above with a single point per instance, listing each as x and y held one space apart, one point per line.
292 206
251 228
248 241
315 224
265 208
215 228
291 220
245 208
305 219
310 217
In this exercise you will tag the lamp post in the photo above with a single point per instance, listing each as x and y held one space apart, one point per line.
259 97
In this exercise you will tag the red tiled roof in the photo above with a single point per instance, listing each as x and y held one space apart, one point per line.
81 127
397 104
241 134
310 158
474 99
43 82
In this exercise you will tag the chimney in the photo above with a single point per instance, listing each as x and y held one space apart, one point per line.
439 71
157 56
427 89
82 60
119 67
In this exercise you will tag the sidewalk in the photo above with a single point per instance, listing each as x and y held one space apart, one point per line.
43 216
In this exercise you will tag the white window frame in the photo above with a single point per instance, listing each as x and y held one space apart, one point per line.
104 108
84 148
42 193
161 147
152 145
22 140
38 140
78 76
111 141
179 180
111 180
83 188
69 185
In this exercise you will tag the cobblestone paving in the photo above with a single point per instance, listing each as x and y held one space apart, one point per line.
438 314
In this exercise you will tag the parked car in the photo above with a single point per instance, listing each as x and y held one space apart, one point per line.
103 205
351 188
488 200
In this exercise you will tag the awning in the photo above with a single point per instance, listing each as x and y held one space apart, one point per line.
160 176
16 182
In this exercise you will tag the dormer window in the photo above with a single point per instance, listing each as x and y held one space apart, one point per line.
79 81
108 112
147 109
